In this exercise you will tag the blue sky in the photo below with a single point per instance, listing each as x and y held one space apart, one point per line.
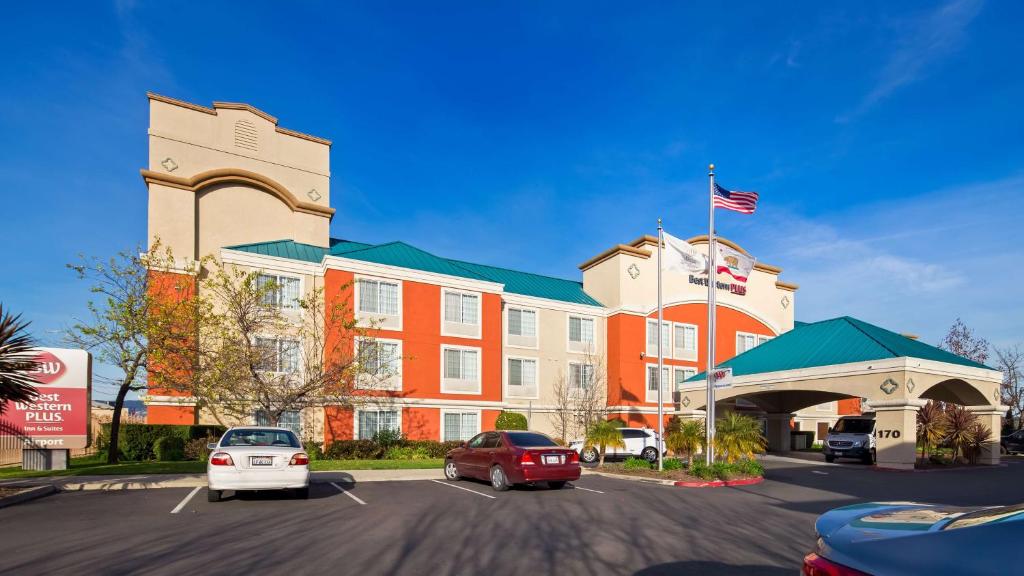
884 138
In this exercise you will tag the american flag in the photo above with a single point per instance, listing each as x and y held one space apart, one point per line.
744 202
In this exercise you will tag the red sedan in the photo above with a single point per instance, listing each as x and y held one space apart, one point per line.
507 458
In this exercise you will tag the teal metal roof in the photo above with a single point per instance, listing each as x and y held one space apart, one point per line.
404 255
837 341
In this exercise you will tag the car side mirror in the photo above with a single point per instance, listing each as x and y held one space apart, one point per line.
829 429
211 446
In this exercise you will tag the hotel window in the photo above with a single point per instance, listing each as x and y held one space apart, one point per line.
278 355
461 308
685 342
581 332
278 291
460 426
682 374
378 297
461 370
290 419
652 338
522 377
522 322
746 341
652 384
581 376
381 362
370 422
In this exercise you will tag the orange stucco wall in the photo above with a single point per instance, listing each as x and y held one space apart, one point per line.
848 407
170 415
169 287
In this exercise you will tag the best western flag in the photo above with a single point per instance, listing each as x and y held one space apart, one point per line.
681 256
733 262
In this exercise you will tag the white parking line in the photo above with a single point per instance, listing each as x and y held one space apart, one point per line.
466 489
347 493
819 472
575 487
186 499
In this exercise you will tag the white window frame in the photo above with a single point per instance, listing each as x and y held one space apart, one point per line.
355 418
276 278
479 313
758 340
684 369
279 339
479 369
680 353
507 372
460 412
651 396
385 321
651 349
536 327
573 388
581 347
393 382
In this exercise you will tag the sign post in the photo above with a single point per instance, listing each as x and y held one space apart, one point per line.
58 419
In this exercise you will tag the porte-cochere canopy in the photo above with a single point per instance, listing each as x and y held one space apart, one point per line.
845 357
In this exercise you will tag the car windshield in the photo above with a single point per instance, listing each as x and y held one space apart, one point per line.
260 437
851 426
530 439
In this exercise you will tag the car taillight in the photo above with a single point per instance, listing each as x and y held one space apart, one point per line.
221 459
526 459
300 459
574 457
815 565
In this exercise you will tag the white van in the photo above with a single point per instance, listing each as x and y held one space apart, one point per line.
851 437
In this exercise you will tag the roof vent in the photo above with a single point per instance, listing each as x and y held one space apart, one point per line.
246 135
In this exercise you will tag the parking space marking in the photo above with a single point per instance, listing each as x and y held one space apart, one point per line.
819 472
466 489
575 487
347 493
185 500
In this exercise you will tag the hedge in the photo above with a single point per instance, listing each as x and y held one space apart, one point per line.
137 441
510 421
169 448
371 450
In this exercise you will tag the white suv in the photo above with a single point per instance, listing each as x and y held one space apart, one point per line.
640 442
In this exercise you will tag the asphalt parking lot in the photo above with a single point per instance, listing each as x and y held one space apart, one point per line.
598 525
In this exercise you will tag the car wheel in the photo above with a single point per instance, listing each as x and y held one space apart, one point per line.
556 484
589 455
650 454
302 493
830 459
450 471
213 495
498 479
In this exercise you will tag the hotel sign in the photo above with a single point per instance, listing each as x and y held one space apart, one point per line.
58 417
730 287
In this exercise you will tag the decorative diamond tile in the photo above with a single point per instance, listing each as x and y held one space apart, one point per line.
785 301
169 164
313 195
996 395
685 401
889 386
910 385
634 272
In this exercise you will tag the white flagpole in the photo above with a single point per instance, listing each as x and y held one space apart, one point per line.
709 422
661 359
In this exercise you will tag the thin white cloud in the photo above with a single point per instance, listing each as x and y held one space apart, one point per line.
923 42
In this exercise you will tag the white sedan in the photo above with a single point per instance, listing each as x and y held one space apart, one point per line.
257 458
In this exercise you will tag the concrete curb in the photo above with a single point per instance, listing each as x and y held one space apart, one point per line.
682 483
29 494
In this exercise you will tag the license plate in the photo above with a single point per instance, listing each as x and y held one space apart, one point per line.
838 452
552 459
261 461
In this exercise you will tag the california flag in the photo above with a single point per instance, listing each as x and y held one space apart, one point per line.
679 255
733 262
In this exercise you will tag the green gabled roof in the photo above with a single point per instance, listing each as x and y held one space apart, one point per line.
404 255
837 341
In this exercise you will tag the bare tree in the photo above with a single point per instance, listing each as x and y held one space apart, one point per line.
134 307
1009 361
244 349
960 340
580 394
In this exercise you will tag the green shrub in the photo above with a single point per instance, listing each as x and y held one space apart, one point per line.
136 441
672 464
387 438
433 448
749 467
722 470
315 450
406 453
636 464
725 470
701 470
510 421
196 448
169 448
354 450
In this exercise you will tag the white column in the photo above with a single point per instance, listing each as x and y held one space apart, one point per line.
991 416
779 431
896 433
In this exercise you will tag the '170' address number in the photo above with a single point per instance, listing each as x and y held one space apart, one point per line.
887 433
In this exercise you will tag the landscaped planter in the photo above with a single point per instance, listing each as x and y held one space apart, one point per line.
679 478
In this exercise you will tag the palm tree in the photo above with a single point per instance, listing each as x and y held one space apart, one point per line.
980 435
16 360
932 426
603 434
961 431
685 437
739 436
